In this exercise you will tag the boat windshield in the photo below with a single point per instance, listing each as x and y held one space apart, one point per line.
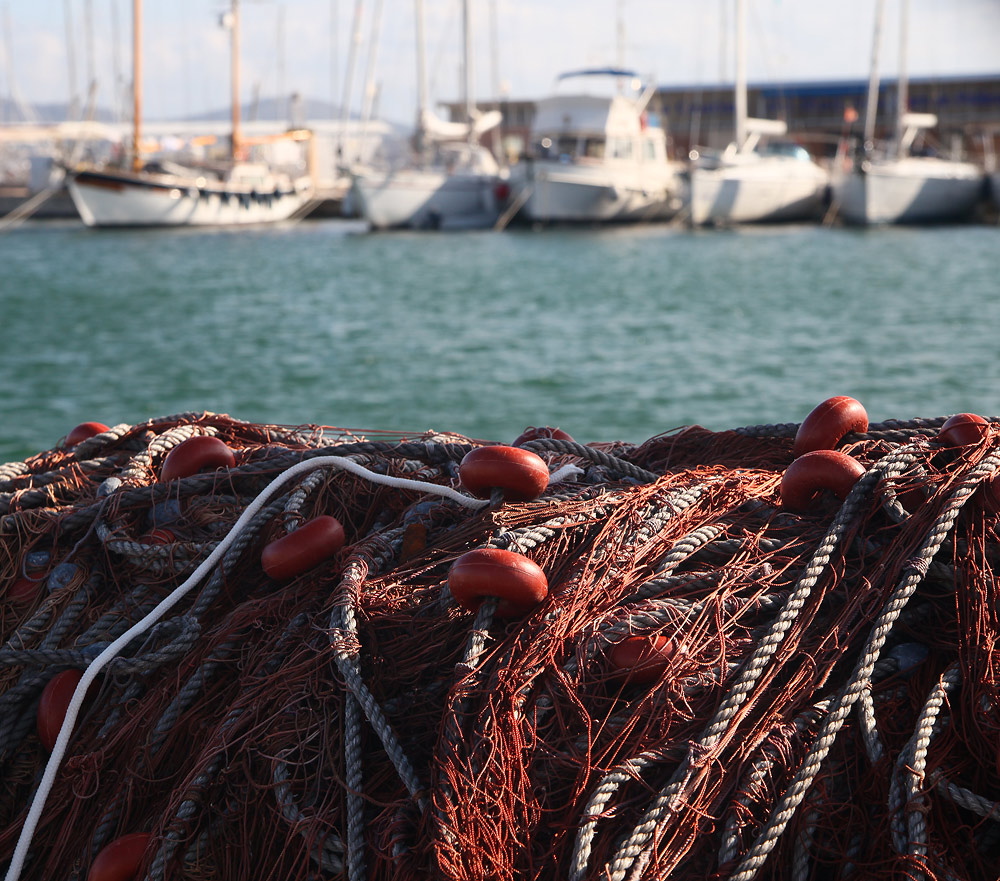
785 148
600 83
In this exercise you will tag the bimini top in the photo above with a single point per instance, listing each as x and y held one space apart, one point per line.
604 81
599 71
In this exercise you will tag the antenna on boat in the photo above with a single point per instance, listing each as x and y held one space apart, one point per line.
871 108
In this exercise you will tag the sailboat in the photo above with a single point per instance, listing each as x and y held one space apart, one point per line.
163 193
451 180
754 179
893 185
597 157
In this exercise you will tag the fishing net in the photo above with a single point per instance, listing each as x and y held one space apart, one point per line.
814 694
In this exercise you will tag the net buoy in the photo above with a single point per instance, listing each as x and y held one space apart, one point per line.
52 706
121 859
642 659
194 455
516 581
827 424
815 471
314 541
541 433
521 474
21 591
962 430
84 430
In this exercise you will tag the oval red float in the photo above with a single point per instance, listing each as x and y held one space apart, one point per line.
52 707
963 429
827 424
532 433
314 541
121 859
521 474
194 455
83 431
516 581
815 471
642 659
21 591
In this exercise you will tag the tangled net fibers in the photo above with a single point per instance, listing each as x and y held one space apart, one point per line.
716 686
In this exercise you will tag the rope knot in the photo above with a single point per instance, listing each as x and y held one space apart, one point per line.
919 565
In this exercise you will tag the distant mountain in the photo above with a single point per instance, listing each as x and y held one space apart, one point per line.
267 109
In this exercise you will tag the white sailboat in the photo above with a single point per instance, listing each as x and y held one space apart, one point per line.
235 192
450 181
892 185
751 181
595 157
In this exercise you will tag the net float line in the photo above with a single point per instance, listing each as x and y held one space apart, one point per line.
679 676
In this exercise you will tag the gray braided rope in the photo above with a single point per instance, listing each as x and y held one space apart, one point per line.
667 800
789 803
551 445
328 853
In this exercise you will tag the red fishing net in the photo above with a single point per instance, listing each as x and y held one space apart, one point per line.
716 686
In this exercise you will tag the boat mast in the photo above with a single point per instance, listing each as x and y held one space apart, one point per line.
871 108
467 65
741 75
136 85
902 88
236 139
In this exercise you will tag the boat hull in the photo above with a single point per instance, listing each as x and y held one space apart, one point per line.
109 199
761 191
426 199
563 193
913 190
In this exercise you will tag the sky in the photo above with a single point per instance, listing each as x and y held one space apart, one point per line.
520 47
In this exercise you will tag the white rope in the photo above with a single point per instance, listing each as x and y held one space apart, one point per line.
141 626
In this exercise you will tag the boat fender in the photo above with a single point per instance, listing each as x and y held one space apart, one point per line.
314 541
521 474
517 582
815 471
827 424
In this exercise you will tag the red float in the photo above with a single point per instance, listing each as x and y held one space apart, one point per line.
517 582
83 431
542 433
521 474
815 471
22 591
53 705
827 424
314 541
194 455
963 429
121 859
159 536
642 659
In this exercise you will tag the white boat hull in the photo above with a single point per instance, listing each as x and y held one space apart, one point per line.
426 199
915 189
757 190
110 199
564 193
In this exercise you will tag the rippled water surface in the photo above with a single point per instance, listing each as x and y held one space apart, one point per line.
609 333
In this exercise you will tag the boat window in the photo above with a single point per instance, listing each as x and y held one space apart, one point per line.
567 146
621 148
594 148
785 148
650 150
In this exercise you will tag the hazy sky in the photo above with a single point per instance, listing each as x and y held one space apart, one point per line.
302 45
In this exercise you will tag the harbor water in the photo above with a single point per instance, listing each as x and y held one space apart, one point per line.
609 334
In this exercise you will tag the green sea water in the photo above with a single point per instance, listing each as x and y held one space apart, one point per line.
610 334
